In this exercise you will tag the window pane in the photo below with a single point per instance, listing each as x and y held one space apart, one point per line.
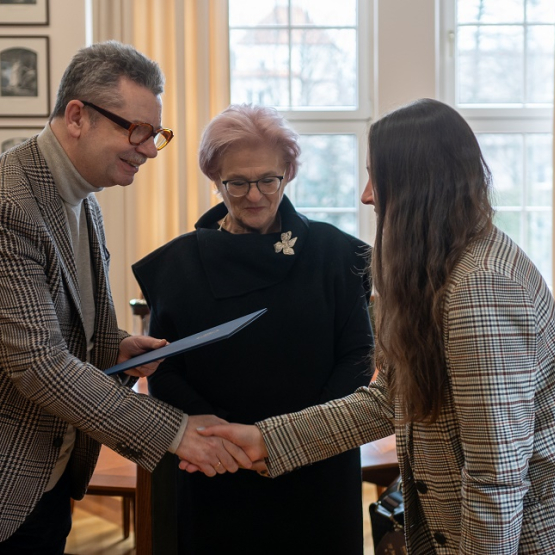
326 187
259 63
505 59
322 12
323 68
346 221
540 76
490 64
522 197
539 169
538 244
509 222
540 11
306 63
328 172
504 156
490 11
246 13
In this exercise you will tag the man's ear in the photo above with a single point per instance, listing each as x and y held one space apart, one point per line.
75 118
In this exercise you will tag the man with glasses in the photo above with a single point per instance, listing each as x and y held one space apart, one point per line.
58 329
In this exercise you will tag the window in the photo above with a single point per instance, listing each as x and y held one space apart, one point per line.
498 61
310 59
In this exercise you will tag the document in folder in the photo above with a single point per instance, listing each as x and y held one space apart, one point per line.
200 339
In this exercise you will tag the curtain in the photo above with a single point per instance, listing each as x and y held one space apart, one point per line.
189 39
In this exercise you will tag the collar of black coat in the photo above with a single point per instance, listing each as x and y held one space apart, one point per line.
236 264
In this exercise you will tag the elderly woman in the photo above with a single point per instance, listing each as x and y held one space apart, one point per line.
255 251
466 343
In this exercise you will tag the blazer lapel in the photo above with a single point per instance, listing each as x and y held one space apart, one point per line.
53 213
99 256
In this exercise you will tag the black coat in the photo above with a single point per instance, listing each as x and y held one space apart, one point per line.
311 346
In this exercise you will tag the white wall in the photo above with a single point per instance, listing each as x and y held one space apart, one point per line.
406 54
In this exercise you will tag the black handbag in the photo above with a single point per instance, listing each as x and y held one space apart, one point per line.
387 519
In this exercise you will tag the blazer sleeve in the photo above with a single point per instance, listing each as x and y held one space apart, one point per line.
492 360
316 433
36 359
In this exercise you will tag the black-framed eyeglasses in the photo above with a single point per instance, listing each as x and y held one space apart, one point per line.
266 185
139 132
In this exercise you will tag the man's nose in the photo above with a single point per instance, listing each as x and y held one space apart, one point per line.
148 148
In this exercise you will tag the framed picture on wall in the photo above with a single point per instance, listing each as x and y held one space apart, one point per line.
12 136
24 77
23 12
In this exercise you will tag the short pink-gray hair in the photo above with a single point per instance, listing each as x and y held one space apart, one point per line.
247 124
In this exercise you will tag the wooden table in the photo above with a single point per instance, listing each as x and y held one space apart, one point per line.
379 462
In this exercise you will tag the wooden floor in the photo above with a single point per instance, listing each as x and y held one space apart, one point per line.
97 528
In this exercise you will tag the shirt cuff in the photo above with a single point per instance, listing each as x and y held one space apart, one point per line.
179 436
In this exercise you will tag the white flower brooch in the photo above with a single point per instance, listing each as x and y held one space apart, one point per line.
286 244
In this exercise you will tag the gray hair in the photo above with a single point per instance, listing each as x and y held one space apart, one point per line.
95 71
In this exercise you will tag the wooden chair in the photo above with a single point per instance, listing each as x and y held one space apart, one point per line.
143 517
143 509
116 477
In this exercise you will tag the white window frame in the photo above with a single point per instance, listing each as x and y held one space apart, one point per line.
503 119
487 119
348 121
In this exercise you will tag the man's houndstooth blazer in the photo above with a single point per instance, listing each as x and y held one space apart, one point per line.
43 382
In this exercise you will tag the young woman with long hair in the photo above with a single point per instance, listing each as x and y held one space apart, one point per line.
430 187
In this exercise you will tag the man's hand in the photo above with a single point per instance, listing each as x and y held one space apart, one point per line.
135 345
248 438
210 455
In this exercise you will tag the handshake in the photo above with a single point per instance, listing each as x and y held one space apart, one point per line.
213 446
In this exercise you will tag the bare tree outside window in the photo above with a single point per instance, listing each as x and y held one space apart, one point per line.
288 60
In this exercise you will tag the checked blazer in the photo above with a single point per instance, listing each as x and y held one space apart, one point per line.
44 383
480 480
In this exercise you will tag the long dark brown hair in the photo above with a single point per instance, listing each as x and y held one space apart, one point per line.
431 192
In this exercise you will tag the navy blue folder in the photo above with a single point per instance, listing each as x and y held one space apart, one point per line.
187 343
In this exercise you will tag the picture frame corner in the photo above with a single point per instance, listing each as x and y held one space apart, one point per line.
24 12
24 76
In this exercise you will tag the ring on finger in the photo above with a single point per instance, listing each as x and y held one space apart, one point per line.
218 465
